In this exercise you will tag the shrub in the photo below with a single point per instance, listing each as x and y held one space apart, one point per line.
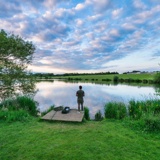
138 81
98 116
115 110
21 103
115 79
145 81
121 80
27 104
86 113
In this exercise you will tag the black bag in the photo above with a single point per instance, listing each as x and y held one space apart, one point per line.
66 110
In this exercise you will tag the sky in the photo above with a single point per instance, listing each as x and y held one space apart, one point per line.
86 36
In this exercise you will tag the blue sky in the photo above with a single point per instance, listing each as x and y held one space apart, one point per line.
87 35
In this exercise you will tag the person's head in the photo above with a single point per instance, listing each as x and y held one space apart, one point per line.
80 87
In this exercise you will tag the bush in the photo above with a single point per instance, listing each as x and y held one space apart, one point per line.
115 79
115 110
86 113
98 116
21 103
27 104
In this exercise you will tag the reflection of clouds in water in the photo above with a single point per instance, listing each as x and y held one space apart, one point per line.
60 93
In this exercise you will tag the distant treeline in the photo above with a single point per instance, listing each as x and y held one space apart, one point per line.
71 74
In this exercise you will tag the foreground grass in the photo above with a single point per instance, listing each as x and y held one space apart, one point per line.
108 140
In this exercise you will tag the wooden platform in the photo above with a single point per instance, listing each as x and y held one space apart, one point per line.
72 116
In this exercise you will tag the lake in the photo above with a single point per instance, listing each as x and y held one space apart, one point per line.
60 93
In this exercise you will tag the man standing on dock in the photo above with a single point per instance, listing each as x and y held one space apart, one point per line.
80 94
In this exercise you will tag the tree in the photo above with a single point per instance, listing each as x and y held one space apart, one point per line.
15 55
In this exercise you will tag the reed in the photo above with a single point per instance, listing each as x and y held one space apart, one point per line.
115 110
86 113
98 116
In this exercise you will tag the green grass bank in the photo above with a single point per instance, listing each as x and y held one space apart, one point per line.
107 139
24 136
147 76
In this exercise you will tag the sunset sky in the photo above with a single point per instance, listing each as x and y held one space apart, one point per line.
87 35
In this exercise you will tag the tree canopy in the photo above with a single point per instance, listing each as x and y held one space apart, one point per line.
15 55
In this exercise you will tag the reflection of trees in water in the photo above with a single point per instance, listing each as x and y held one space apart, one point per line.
157 89
15 55
13 87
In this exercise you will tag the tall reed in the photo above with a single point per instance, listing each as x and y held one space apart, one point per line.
86 113
115 110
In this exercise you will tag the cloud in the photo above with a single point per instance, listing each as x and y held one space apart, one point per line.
85 35
99 6
139 4
80 6
8 9
117 12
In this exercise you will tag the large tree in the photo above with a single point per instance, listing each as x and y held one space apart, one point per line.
15 55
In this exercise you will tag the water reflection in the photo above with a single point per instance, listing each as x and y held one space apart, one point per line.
61 93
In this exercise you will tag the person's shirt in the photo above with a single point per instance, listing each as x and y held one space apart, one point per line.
80 94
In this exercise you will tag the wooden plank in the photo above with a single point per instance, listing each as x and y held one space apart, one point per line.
72 116
49 115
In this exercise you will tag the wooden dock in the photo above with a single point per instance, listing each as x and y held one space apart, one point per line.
72 116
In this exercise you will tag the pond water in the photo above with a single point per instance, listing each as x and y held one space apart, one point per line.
60 93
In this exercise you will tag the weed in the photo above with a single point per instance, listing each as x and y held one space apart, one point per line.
98 116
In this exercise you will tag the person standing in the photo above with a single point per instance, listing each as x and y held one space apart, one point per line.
80 94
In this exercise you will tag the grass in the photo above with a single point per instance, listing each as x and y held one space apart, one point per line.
108 139
147 76
24 137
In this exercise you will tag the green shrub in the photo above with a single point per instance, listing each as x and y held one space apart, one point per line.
115 110
145 81
98 116
86 113
28 104
21 103
115 79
